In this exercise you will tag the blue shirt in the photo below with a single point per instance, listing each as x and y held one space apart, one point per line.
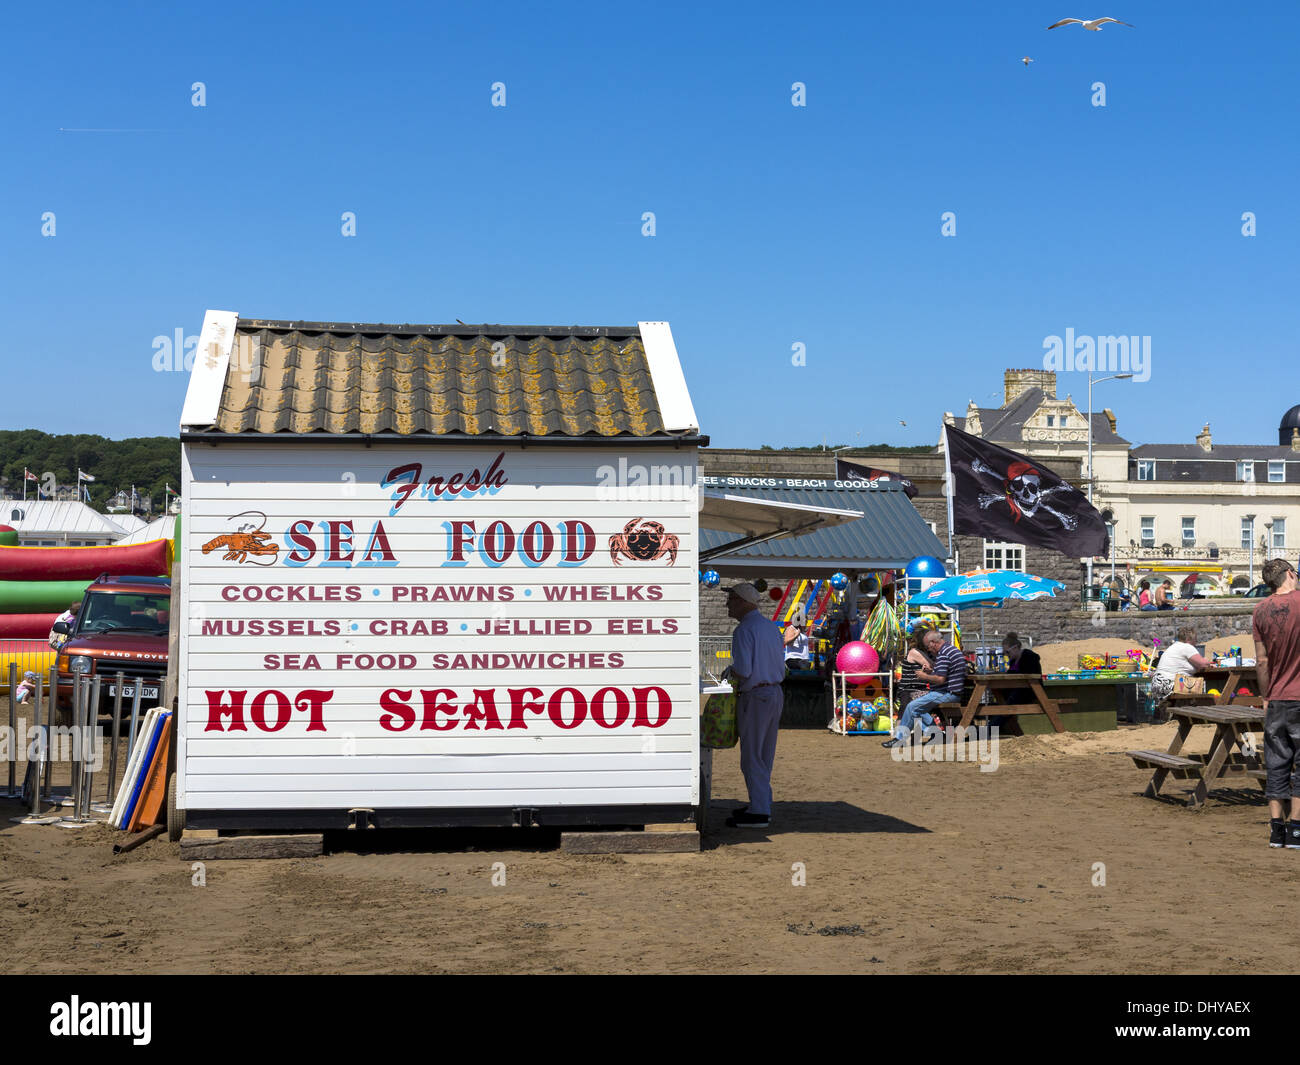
757 652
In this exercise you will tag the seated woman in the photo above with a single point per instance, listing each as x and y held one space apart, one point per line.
909 684
1144 596
1179 660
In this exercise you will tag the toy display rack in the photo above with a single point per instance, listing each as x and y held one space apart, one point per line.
840 690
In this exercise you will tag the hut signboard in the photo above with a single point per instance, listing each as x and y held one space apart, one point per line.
428 631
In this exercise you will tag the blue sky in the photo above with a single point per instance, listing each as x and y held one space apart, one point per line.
776 225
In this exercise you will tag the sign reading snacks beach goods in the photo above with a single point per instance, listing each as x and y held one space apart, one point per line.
436 627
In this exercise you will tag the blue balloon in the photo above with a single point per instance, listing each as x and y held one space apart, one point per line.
710 578
925 566
839 582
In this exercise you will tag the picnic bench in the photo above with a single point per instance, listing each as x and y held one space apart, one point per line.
1233 726
982 683
1227 679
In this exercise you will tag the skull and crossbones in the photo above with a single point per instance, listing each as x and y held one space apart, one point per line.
1022 491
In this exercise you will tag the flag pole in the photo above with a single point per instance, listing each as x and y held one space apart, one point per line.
948 491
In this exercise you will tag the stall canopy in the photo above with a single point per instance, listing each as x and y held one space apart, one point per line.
884 531
742 520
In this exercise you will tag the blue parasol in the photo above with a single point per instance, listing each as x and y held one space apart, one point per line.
991 588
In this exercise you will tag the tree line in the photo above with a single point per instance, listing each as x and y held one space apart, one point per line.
148 462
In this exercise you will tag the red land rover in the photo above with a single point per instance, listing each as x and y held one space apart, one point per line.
122 626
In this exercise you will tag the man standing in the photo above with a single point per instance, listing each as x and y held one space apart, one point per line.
946 683
757 669
1277 664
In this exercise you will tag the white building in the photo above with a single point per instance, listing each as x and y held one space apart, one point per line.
61 523
1181 509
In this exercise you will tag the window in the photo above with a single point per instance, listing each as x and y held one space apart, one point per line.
1065 420
1146 469
1246 471
1279 534
1189 532
1148 532
1276 471
1051 420
1004 556
1247 534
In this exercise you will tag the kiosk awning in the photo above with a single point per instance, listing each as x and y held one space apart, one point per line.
740 520
884 530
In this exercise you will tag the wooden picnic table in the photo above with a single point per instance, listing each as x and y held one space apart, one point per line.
981 683
1233 726
1227 679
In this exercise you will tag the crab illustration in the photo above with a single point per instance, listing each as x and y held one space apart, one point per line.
643 541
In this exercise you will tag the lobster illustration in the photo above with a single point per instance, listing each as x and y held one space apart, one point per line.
643 541
248 540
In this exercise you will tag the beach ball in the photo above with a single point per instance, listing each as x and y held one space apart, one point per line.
855 706
925 566
839 582
881 705
857 658
710 579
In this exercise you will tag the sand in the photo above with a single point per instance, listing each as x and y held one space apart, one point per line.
910 867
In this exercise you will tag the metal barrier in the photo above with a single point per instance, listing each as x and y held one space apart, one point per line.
715 656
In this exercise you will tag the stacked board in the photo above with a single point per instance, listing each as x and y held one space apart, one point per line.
146 767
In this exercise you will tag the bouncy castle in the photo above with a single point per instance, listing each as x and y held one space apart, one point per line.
37 584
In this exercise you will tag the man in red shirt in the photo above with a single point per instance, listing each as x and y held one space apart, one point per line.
1277 663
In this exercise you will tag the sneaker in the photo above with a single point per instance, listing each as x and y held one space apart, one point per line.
891 743
744 819
1276 833
1293 836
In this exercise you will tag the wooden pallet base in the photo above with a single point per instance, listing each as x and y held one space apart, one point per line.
681 841
203 846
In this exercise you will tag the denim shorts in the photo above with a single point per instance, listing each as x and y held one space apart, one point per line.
1281 748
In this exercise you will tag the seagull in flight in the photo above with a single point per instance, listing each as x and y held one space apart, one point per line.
1089 24
1026 60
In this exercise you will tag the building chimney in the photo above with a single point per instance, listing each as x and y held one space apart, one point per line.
973 424
1203 438
1295 439
1110 418
1018 382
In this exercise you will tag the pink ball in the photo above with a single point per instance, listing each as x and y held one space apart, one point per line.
857 658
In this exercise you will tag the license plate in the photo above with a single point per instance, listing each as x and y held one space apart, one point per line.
128 691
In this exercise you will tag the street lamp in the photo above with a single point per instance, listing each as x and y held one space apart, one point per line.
1251 518
1091 382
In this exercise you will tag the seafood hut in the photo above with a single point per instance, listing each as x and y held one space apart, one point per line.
437 575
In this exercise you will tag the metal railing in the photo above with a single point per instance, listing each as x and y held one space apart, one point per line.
715 656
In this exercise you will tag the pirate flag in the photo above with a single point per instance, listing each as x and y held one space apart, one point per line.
855 471
1000 495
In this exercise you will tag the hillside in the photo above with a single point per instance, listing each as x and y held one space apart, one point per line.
148 462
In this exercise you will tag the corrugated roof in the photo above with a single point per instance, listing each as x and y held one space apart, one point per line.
162 528
58 516
889 535
311 377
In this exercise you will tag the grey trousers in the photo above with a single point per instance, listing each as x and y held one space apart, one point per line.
758 716
1281 749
